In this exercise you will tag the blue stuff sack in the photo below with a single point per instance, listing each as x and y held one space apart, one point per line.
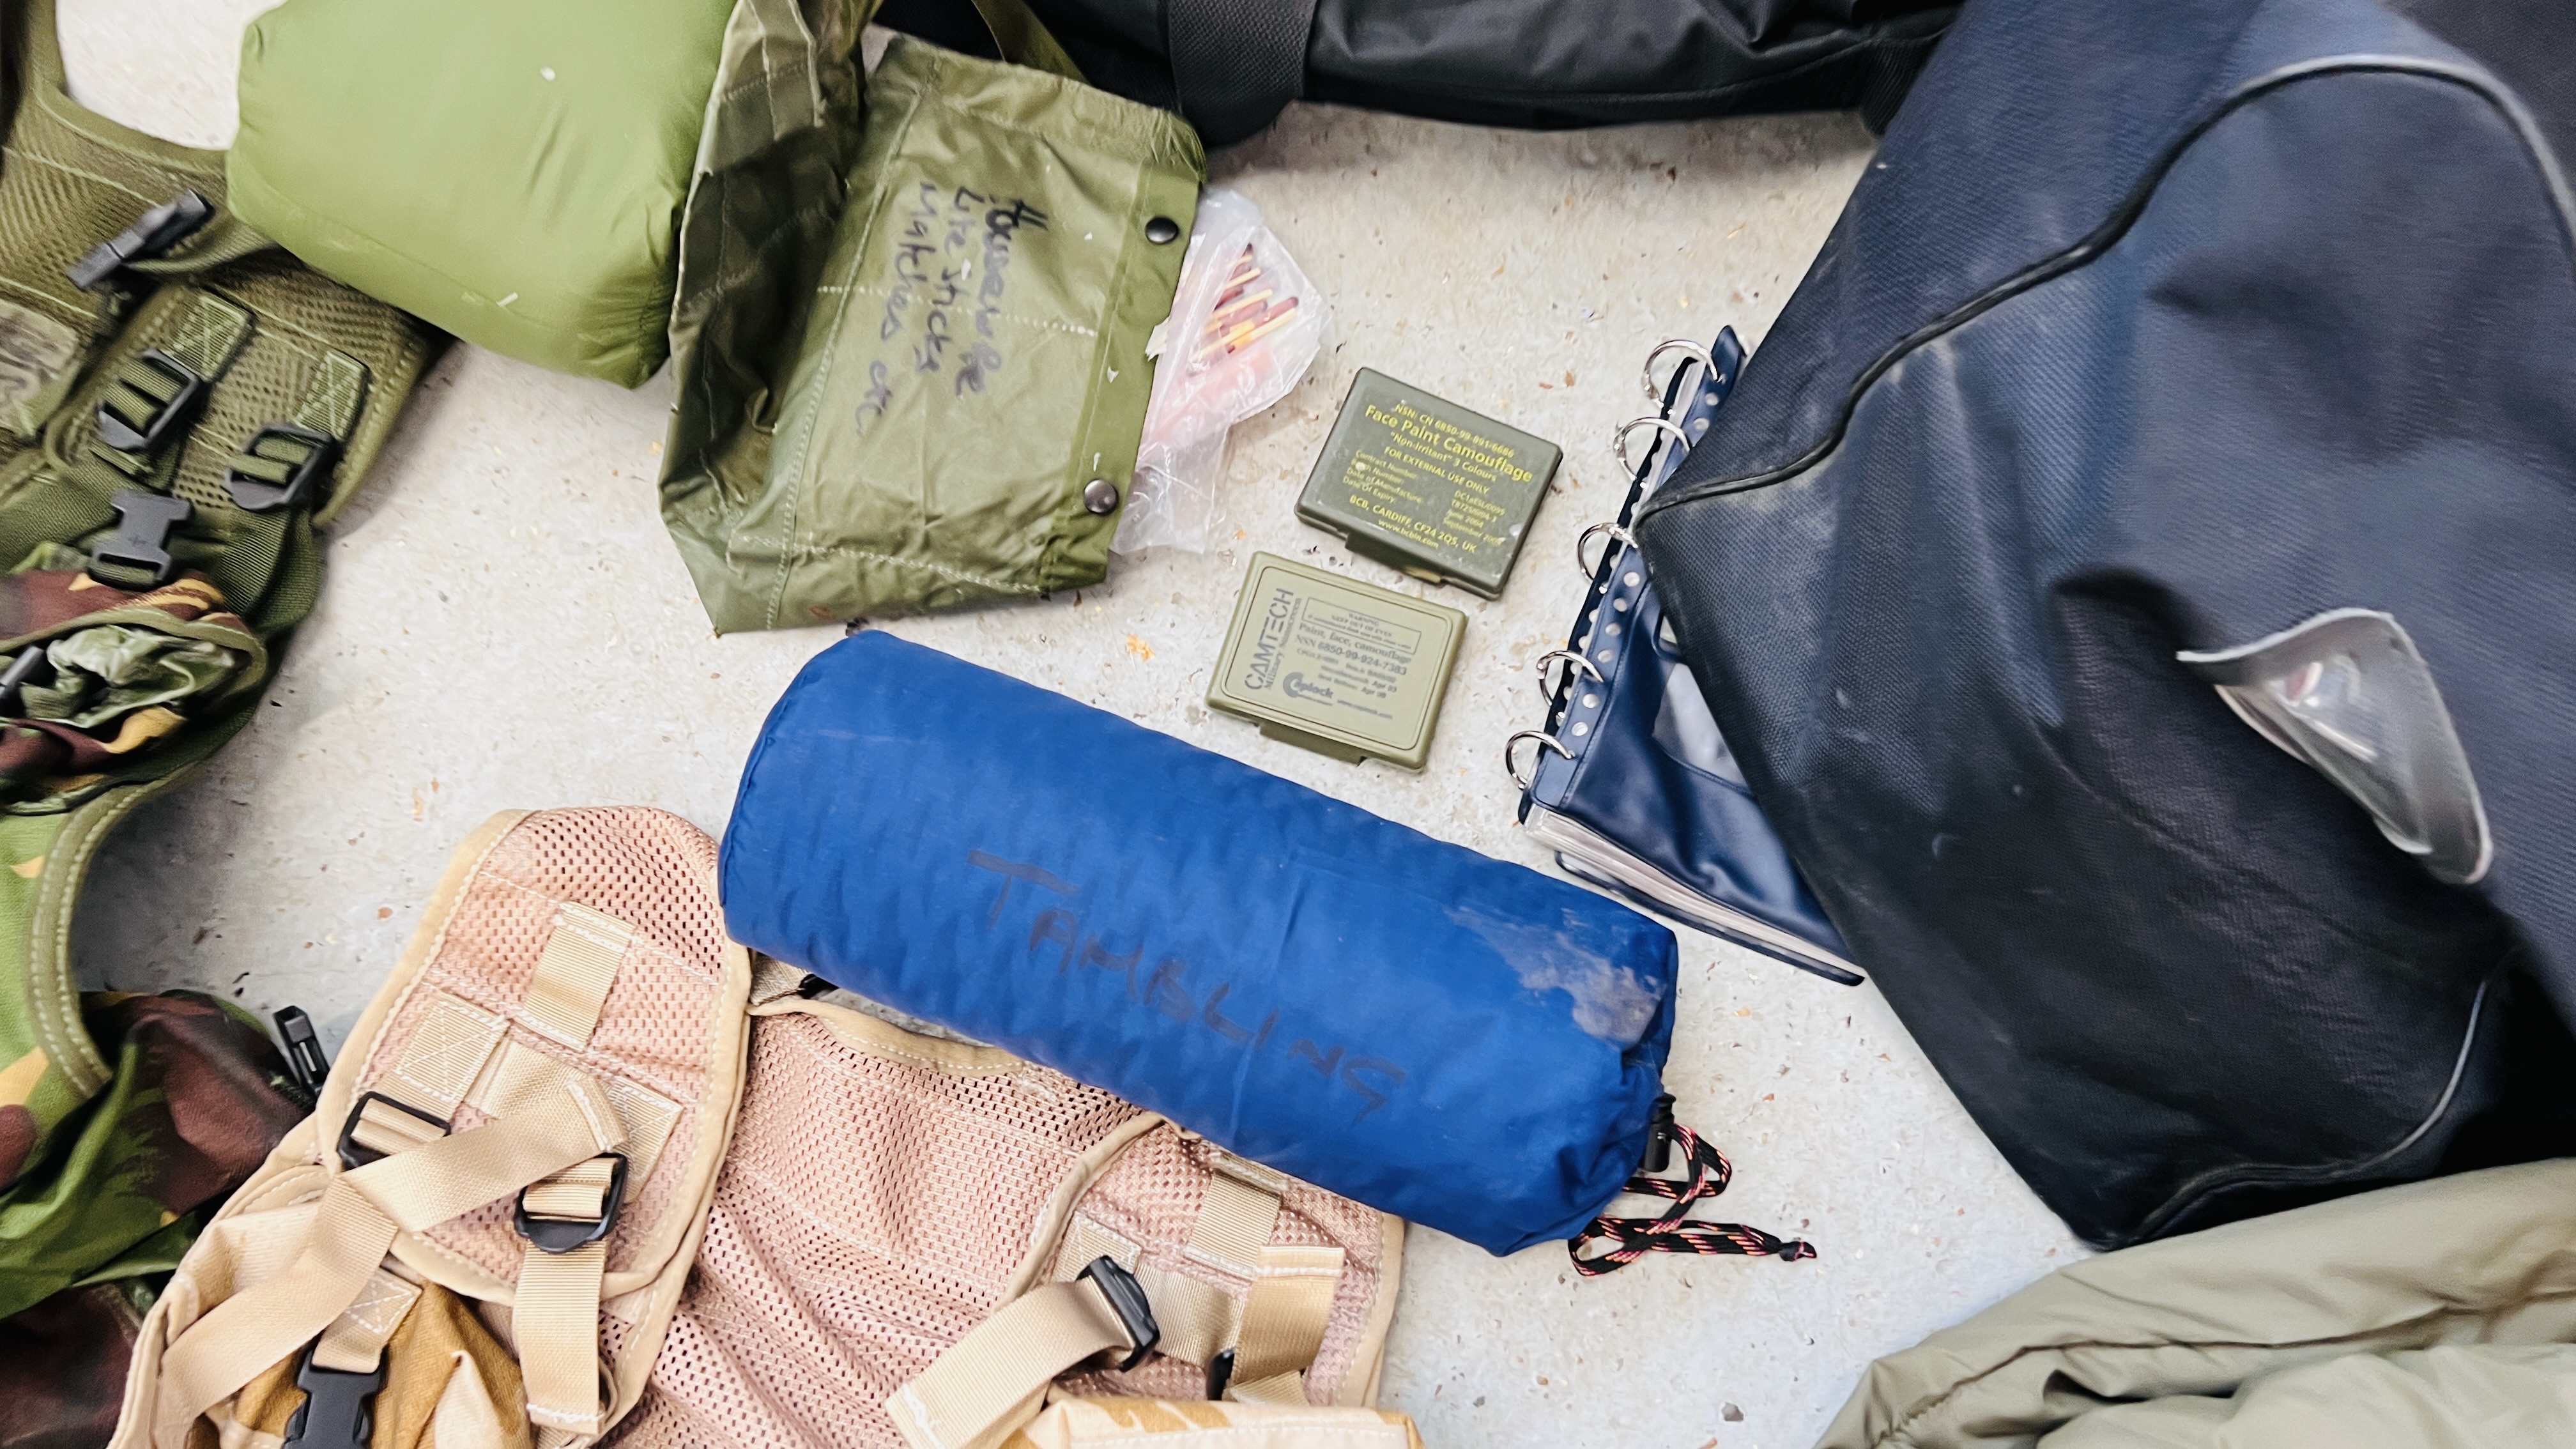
1461 1042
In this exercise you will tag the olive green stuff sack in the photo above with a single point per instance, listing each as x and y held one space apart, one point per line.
510 170
932 394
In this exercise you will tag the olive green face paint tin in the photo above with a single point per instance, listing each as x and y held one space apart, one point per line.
1336 666
1424 485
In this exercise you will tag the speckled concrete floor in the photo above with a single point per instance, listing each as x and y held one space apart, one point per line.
505 624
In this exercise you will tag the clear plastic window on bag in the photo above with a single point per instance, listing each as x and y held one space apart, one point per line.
1245 326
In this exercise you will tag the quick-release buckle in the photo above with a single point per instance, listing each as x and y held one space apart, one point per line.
306 1067
355 1154
188 393
339 1408
258 495
154 232
565 1235
142 539
1126 1298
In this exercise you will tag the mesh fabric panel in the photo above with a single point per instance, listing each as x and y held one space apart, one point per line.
872 1210
874 1207
654 872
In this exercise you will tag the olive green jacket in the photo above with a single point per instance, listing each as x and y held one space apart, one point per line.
2438 1315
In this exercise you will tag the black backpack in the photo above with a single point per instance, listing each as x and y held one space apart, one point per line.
2138 576
1230 65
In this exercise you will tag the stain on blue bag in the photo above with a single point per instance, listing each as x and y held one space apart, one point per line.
1462 1042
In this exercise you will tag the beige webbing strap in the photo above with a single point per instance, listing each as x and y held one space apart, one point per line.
1283 1323
991 1381
554 1319
450 1061
1198 1319
455 1175
524 1073
354 1228
355 1341
1237 1216
250 1332
574 974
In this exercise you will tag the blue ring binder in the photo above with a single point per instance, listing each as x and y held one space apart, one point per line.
1633 786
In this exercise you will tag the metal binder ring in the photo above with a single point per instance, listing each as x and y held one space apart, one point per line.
1619 439
1583 541
1580 664
1686 348
1546 742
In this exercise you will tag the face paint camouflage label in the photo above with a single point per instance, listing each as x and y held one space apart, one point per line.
1426 486
1335 665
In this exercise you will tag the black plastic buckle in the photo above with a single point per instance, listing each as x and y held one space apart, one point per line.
1659 1136
154 232
302 1049
339 1408
257 495
1126 1298
564 1235
142 539
355 1154
167 418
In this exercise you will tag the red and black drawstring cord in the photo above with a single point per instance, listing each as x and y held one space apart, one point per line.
1676 1231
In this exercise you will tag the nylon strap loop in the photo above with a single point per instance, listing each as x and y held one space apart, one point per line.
385 1129
445 1055
209 335
1284 1322
1237 1216
286 466
573 976
992 1380
554 1317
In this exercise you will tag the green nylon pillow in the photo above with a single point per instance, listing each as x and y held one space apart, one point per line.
511 170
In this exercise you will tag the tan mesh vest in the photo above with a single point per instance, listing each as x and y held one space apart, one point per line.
567 1181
